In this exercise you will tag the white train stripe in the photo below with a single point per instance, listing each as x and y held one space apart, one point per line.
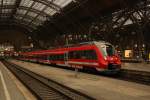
5 87
85 63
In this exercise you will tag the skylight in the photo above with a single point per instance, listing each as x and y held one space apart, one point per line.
62 3
9 2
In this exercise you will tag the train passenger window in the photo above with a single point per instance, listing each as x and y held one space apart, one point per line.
77 54
83 54
74 55
91 54
52 57
56 57
43 57
70 55
48 57
62 57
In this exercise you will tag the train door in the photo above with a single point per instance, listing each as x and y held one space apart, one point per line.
48 59
66 58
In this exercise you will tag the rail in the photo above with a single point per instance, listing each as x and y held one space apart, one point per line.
44 88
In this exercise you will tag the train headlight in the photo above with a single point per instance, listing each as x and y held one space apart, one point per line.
105 57
111 59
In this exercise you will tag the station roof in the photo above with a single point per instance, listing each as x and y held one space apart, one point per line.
47 18
32 13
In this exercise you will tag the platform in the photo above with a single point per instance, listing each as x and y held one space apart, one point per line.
99 87
11 88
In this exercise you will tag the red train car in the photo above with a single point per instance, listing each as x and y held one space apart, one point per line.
97 54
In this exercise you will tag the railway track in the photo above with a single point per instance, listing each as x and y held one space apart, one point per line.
43 88
134 75
140 77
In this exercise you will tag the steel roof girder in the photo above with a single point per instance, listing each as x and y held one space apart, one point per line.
28 17
33 10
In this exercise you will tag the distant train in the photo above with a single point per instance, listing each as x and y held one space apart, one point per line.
99 55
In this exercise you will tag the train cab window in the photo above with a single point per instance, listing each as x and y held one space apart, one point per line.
107 50
110 50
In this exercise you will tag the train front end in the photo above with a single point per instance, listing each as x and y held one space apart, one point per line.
108 59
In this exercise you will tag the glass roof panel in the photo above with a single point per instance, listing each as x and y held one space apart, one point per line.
38 6
21 11
6 10
27 20
5 16
50 11
26 3
32 14
37 22
20 22
23 22
32 26
18 17
41 18
62 3
9 2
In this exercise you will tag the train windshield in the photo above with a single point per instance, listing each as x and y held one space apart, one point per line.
108 50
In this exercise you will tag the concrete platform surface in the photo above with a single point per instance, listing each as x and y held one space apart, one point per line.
136 66
11 88
99 87
8 86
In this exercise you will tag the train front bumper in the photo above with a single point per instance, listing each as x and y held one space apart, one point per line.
110 69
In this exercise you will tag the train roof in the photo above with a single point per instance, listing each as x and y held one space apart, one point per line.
87 43
64 49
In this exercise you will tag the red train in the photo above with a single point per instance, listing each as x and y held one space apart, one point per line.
99 55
